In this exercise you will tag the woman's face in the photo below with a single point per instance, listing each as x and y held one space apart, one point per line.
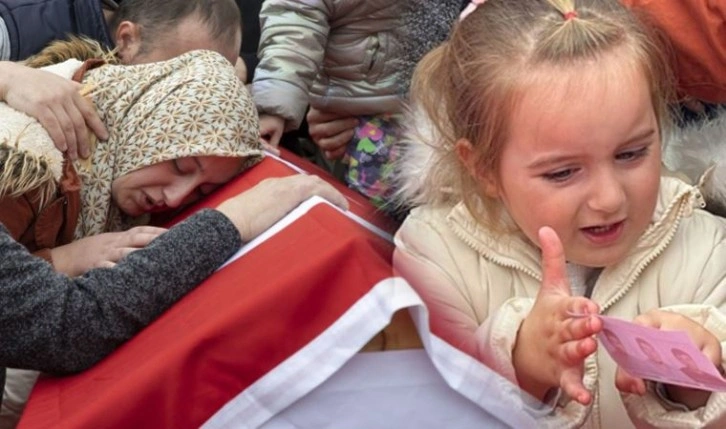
171 184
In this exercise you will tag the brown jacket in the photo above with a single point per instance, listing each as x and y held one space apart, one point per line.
696 32
41 228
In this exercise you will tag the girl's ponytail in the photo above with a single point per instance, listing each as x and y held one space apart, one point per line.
432 87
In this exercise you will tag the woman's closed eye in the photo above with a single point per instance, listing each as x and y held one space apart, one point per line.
184 166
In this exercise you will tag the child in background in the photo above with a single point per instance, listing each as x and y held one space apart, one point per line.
337 56
542 196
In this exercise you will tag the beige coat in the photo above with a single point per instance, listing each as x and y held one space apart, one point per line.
479 287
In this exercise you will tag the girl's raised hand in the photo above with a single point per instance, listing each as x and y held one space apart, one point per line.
701 337
552 344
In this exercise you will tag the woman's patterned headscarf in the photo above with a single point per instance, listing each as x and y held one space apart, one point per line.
192 105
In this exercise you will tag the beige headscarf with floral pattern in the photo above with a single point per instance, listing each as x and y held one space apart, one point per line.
192 105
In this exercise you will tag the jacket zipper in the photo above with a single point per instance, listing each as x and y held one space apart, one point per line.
462 233
653 255
679 200
466 238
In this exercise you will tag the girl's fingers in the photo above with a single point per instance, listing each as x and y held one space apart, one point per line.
577 328
335 154
123 252
79 126
554 271
106 264
574 352
647 319
626 383
68 130
571 384
269 148
669 321
581 305
91 117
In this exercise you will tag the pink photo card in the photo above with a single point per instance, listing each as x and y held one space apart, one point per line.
668 357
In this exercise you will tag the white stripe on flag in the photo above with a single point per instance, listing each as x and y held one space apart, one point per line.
330 351
296 214
318 360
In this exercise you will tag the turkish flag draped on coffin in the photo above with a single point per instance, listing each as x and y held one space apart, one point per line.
237 326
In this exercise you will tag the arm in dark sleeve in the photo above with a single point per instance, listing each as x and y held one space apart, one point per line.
251 61
250 11
52 323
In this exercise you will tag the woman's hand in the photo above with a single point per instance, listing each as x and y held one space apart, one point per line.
331 131
256 209
102 250
55 102
552 344
701 337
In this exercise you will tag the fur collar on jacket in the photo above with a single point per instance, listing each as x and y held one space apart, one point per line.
697 149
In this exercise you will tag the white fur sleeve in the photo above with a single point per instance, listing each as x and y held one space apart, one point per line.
65 69
696 148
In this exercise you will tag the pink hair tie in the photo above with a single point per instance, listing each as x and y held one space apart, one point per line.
570 15
471 7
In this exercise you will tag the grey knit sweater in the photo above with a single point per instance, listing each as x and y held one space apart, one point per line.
426 23
52 323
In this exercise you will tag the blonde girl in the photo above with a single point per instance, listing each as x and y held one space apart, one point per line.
540 195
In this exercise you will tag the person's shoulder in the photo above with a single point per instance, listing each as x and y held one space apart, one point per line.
427 218
429 232
430 212
703 227
702 237
696 219
425 226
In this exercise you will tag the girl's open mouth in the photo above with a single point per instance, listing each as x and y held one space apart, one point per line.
604 234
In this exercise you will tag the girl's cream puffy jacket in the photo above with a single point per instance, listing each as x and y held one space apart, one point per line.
479 287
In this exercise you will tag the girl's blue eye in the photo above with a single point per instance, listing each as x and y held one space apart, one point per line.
631 155
559 175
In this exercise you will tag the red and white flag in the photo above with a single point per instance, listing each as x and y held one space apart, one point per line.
245 320
285 315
